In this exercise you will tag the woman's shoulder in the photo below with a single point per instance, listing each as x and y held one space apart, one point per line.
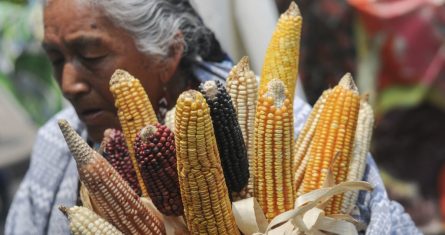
376 209
49 176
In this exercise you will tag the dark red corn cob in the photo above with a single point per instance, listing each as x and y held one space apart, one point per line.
116 152
156 155
231 147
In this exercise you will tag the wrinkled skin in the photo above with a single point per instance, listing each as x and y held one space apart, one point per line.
85 49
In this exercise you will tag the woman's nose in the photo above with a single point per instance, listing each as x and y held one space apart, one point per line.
73 84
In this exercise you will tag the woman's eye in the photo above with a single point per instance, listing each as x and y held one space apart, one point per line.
91 59
56 59
54 55
56 62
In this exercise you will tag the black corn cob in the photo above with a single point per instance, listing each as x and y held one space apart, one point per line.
115 151
156 156
229 138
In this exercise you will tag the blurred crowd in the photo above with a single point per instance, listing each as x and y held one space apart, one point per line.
395 50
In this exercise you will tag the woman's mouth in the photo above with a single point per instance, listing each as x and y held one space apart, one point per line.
93 116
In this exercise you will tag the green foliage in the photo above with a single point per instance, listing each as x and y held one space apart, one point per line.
34 87
21 2
24 69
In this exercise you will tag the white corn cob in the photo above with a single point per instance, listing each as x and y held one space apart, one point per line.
243 89
362 141
302 146
84 222
170 119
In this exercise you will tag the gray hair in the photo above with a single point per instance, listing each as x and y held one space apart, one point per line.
157 25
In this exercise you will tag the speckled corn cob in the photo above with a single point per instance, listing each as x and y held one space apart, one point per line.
116 152
243 88
204 193
170 119
334 135
112 196
84 222
156 155
134 111
362 141
229 137
304 140
274 142
282 55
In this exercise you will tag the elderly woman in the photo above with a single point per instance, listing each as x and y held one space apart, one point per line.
165 45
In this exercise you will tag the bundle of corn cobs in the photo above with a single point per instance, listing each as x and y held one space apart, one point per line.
220 144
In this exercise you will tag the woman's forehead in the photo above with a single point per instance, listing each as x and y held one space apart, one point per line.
71 7
68 16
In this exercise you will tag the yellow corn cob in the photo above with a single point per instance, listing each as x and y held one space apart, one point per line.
282 55
204 193
362 141
170 119
134 111
301 150
334 135
111 195
274 139
243 88
84 222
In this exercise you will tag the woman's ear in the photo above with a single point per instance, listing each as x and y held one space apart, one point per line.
171 63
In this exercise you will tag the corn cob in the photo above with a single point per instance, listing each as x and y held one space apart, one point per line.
243 194
282 54
115 151
274 139
302 146
362 141
84 197
112 196
170 119
229 137
334 135
134 111
156 155
204 193
243 88
84 222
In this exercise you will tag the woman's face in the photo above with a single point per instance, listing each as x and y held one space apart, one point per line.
85 49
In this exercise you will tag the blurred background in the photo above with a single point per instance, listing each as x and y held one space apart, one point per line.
395 50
